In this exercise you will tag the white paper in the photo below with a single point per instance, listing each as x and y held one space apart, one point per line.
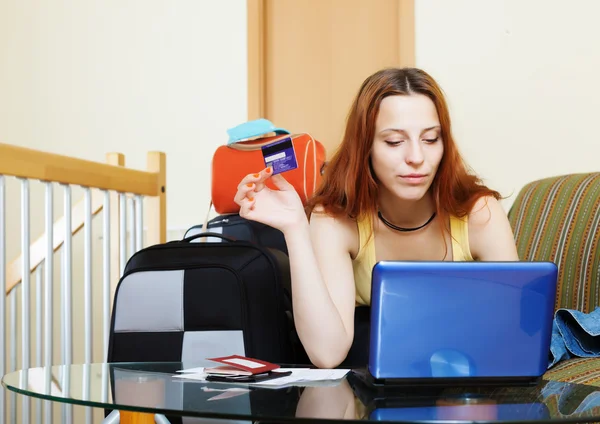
225 393
200 375
193 370
306 375
299 376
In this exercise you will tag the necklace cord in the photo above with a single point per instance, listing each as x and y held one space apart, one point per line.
397 228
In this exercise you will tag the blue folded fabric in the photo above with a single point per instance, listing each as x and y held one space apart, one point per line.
251 129
574 334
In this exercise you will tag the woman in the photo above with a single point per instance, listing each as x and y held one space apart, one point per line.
396 189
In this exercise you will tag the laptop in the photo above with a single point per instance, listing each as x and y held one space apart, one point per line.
449 323
486 403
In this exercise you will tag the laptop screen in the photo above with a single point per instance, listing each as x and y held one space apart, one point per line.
461 319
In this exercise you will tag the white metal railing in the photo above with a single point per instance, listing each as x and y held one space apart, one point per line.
118 193
3 298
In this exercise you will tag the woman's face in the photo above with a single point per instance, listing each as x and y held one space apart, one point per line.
407 147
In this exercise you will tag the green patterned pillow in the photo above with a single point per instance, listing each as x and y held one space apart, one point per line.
558 219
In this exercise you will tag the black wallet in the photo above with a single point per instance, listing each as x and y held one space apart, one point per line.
271 375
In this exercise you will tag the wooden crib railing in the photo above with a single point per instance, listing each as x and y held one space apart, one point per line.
68 313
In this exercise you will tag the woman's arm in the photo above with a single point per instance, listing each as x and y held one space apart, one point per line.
490 234
321 267
322 288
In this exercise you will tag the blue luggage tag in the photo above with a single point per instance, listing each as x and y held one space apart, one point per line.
280 156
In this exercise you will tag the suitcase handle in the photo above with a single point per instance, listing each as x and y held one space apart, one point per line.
207 234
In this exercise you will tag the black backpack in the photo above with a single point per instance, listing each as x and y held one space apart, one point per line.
234 226
173 297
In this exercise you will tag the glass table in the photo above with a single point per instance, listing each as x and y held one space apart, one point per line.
146 389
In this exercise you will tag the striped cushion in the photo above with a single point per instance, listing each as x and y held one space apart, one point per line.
576 370
558 219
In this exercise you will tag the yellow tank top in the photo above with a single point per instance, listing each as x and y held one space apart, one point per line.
365 259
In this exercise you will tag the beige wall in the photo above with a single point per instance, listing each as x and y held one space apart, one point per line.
522 82
84 78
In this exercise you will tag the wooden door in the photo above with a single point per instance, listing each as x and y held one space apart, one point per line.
308 58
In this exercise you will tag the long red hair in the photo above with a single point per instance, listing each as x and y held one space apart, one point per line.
349 187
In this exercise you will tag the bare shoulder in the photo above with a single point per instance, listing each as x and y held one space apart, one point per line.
484 210
339 230
490 234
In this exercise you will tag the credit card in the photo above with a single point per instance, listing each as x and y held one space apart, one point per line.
280 156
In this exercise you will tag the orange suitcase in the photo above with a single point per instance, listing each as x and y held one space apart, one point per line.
231 163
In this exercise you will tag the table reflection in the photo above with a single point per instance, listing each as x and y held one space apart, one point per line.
139 388
468 408
153 387
336 402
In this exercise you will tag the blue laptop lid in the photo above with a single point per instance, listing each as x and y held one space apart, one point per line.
461 319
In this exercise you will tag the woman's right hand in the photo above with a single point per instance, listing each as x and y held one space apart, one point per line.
281 209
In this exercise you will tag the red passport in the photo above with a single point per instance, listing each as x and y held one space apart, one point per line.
240 365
